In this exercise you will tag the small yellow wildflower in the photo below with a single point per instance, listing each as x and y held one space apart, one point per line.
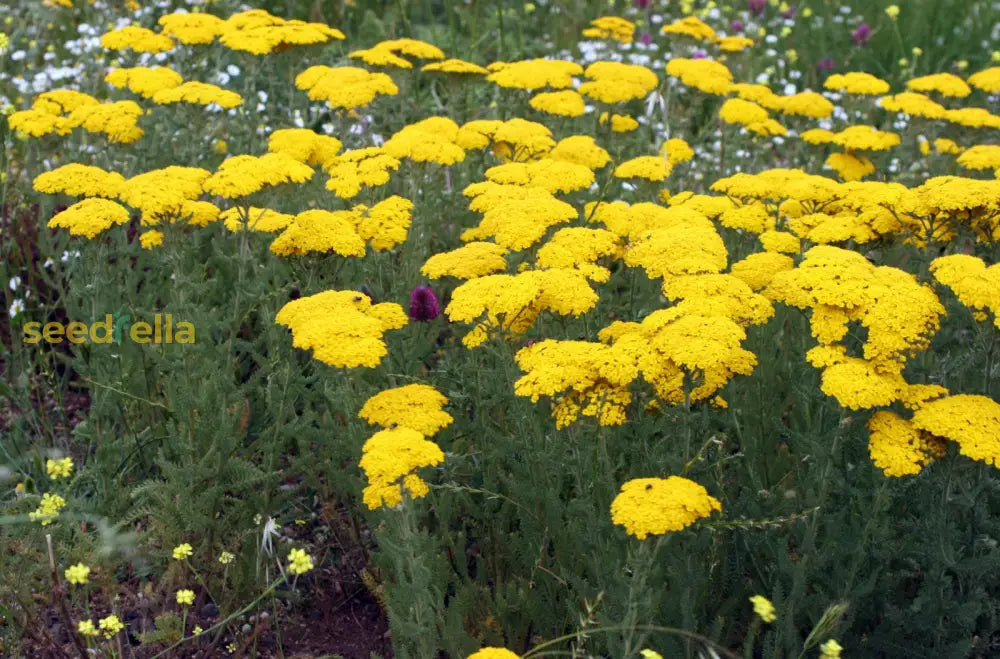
763 607
830 650
86 628
185 597
110 626
650 654
61 468
892 11
197 630
77 574
182 551
226 558
299 562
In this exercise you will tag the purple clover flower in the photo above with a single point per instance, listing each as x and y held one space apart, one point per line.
861 35
423 304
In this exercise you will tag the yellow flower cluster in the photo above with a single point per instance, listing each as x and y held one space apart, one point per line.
706 75
751 116
304 145
611 27
244 175
429 140
515 216
474 259
389 459
352 170
344 87
342 328
566 103
345 232
48 509
198 93
690 26
258 32
976 285
139 39
143 80
386 53
615 82
534 74
79 180
455 66
416 406
548 174
655 506
90 217
857 83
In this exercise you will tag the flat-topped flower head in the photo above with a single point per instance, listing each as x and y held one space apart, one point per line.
416 406
90 217
143 80
139 39
655 506
534 74
244 175
615 28
344 87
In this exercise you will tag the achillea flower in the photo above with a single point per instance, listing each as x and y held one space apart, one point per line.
90 217
654 506
474 259
258 32
620 123
77 574
806 104
651 168
380 57
897 447
138 39
37 123
429 140
690 26
611 27
493 653
566 103
344 87
981 156
411 48
151 239
757 270
551 175
419 407
60 468
946 84
849 166
534 74
763 608
581 377
914 104
732 44
726 295
264 220
987 80
353 170
616 82
390 459
706 75
857 83
304 145
191 28
342 328
198 93
423 304
185 597
580 150
118 120
455 66
321 231
182 551
678 250
972 422
240 176
579 248
976 285
143 80
518 220
299 562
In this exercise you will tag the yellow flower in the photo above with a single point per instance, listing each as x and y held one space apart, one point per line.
226 558
897 448
151 239
299 562
650 654
77 574
197 630
60 468
86 628
182 551
110 625
416 406
971 421
185 597
493 653
830 650
763 608
646 506
892 11
48 509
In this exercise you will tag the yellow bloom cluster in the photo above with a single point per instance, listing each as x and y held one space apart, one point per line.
706 75
611 27
344 87
304 145
299 562
515 216
79 180
690 26
169 194
90 217
615 82
509 304
857 83
972 422
429 140
191 28
240 176
386 53
976 285
389 459
534 74
946 84
732 44
416 406
515 139
139 39
198 93
987 80
474 259
352 170
264 220
455 66
898 448
548 174
654 506
579 248
981 156
566 103
913 104
854 138
258 32
751 116
493 653
143 80
345 232
342 328
61 468
118 120
620 123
